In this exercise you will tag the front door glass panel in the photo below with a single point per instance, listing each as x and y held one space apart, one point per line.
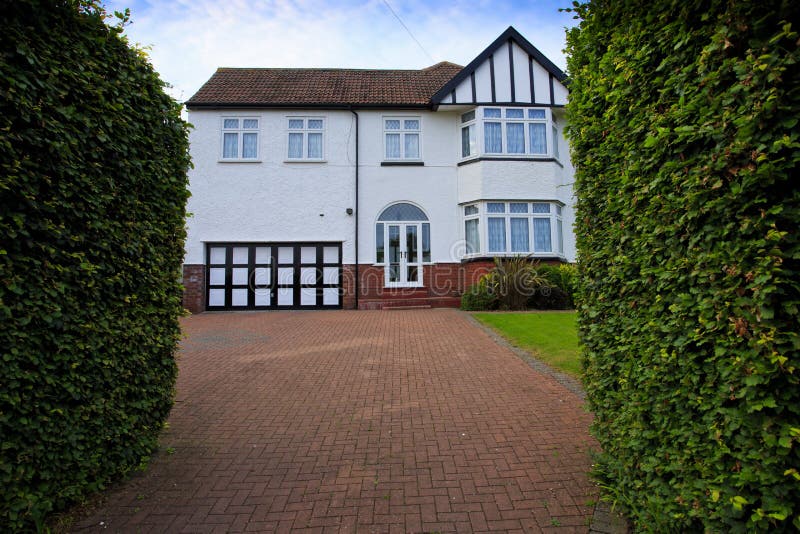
394 253
403 254
412 254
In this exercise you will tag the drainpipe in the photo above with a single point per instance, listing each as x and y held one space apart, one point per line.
357 212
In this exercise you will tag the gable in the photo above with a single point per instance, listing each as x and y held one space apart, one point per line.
510 71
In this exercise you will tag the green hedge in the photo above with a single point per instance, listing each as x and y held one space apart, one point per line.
684 132
93 188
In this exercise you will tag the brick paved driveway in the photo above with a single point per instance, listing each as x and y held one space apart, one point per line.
403 421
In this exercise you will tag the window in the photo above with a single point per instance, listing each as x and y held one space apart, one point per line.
469 135
306 138
492 131
471 226
514 228
555 139
537 138
509 131
401 137
239 138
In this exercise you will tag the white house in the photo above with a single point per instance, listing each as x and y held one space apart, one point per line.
331 188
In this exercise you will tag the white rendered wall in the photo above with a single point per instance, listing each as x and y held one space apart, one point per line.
522 78
271 200
502 75
541 83
566 189
431 187
483 82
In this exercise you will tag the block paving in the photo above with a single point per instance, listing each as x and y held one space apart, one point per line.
358 421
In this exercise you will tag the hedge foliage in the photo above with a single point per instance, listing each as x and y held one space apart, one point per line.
684 132
93 188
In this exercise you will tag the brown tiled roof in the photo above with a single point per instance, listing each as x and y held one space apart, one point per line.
286 87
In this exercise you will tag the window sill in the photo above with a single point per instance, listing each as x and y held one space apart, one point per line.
238 161
502 157
402 164
305 161
479 256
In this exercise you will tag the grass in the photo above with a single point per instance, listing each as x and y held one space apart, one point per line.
551 337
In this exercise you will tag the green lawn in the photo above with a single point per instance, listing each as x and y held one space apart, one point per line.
551 337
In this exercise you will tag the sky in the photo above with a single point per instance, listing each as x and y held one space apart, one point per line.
188 39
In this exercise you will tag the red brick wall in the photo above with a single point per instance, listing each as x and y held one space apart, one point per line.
473 271
194 288
349 287
443 285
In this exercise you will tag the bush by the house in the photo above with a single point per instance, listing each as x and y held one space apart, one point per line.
550 298
564 277
513 281
479 297
93 161
684 127
510 285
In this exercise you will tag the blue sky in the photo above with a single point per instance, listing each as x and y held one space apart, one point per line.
189 39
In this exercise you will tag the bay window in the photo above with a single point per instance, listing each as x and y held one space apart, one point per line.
469 135
471 234
509 131
514 228
555 139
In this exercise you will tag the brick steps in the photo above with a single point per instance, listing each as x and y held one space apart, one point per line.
405 302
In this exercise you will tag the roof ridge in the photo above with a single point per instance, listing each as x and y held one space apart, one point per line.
336 69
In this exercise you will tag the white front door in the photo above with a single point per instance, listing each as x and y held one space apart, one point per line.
404 265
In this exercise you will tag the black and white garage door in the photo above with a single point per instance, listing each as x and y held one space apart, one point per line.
263 276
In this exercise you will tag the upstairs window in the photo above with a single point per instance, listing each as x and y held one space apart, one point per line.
509 131
401 138
306 138
469 135
555 139
239 138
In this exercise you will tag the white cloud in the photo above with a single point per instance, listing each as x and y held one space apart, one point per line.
189 39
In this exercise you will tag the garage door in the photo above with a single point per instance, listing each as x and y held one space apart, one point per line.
268 276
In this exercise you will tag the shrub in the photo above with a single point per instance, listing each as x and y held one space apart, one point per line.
93 161
479 298
683 126
513 281
563 277
513 284
550 298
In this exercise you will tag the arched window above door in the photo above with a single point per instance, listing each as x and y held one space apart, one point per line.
403 211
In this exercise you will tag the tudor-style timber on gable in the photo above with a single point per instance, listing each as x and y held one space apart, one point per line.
331 188
510 72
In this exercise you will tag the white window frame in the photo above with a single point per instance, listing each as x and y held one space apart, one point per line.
476 216
402 132
239 131
304 131
471 125
480 120
556 221
555 142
